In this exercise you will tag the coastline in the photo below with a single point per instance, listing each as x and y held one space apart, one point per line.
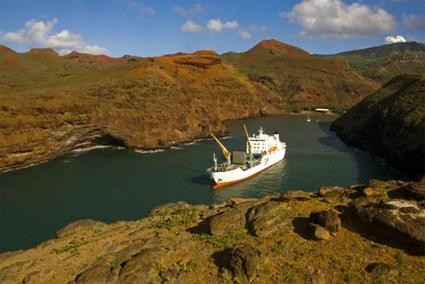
168 144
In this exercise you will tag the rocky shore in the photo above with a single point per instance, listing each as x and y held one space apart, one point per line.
390 123
371 233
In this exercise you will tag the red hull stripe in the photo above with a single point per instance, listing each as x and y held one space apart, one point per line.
227 183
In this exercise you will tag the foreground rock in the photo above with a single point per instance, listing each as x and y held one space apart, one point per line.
268 240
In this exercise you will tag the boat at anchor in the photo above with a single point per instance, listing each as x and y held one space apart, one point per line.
262 152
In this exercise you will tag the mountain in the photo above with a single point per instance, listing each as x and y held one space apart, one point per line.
51 104
302 80
384 62
390 123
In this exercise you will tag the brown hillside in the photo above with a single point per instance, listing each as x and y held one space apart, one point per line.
303 80
42 51
143 103
92 60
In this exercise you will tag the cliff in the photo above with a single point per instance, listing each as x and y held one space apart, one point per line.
361 234
51 105
390 123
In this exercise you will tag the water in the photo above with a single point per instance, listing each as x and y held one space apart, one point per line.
115 184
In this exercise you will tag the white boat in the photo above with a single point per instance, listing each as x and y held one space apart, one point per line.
262 152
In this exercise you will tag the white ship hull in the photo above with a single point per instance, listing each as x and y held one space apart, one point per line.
224 178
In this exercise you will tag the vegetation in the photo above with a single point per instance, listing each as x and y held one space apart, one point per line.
385 62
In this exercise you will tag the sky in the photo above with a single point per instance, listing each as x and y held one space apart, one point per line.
157 27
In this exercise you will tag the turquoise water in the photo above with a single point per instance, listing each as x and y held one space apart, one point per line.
114 184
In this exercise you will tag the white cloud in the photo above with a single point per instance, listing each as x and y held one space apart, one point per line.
244 34
414 22
394 39
144 10
190 12
39 34
191 27
217 26
334 18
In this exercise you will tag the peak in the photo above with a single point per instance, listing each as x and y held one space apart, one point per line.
42 51
279 48
5 50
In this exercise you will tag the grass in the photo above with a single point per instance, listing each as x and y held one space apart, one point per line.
72 247
221 242
170 219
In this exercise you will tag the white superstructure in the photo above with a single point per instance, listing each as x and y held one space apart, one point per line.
262 152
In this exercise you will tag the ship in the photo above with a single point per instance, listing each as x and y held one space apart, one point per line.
262 152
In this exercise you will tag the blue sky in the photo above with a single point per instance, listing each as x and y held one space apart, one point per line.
148 28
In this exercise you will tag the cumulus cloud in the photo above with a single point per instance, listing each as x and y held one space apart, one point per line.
414 22
190 12
216 25
39 34
191 27
394 39
334 18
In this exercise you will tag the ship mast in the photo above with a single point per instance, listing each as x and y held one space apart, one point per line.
247 140
226 152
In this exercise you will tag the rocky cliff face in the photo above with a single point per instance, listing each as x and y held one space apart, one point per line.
390 123
362 234
141 103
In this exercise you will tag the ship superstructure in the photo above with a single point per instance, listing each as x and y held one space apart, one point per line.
262 151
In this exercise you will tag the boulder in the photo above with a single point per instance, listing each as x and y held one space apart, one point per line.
142 268
84 224
243 262
328 219
399 215
228 221
330 191
416 190
320 233
100 272
297 195
266 218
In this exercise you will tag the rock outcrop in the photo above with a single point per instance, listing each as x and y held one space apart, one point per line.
273 239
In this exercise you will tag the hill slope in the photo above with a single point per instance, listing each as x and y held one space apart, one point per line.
142 103
390 123
303 80
384 62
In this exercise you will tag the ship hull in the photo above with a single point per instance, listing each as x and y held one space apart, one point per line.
238 175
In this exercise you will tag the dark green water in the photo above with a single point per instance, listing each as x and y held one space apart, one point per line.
113 184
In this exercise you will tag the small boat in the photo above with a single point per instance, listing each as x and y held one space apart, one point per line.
262 152
308 117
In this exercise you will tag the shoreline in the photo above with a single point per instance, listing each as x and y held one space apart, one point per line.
146 150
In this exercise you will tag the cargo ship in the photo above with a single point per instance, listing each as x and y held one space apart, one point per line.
262 152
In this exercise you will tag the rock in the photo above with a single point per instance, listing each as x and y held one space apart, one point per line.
142 267
370 191
378 269
100 272
243 262
393 215
296 195
238 200
75 226
330 191
328 219
168 208
320 233
228 221
266 218
416 190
